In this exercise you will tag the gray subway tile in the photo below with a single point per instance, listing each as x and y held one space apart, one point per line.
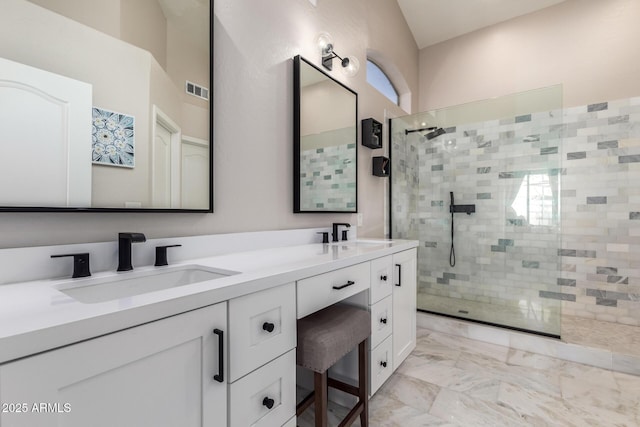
598 107
556 295
583 253
435 203
497 248
577 155
483 196
607 302
505 242
567 252
634 215
634 158
523 118
607 144
530 264
437 167
441 281
606 270
548 150
608 294
597 200
618 119
430 244
531 138
566 282
516 222
483 170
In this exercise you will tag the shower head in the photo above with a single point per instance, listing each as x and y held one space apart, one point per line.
435 133
408 131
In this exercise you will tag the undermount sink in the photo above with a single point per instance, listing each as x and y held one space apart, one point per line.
102 289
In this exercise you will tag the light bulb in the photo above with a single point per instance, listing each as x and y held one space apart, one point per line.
325 43
350 66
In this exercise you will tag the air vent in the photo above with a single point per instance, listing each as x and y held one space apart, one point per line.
197 90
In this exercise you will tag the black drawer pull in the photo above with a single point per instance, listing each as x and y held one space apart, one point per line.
383 364
220 375
349 283
383 320
399 275
383 278
269 327
268 402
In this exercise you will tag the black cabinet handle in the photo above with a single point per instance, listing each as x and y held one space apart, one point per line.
399 275
268 402
220 375
383 278
349 283
269 327
383 320
383 364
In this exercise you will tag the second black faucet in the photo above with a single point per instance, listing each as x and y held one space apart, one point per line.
335 231
124 249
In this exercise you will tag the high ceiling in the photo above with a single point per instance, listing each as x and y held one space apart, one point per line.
434 21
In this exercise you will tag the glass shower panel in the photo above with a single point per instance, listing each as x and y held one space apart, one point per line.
503 157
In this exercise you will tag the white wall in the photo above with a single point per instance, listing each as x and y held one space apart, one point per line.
588 46
255 42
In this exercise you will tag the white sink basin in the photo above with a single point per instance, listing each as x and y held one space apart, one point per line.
94 290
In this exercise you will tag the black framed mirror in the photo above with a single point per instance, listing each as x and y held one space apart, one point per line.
325 160
106 106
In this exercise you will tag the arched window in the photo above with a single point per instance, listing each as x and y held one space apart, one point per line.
379 79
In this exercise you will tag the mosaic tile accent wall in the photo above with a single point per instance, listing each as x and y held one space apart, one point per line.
557 209
328 169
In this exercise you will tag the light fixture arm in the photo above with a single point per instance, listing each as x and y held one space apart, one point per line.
327 60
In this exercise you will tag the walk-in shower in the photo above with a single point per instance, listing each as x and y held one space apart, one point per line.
497 162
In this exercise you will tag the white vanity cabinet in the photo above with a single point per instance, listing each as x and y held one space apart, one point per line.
157 374
404 305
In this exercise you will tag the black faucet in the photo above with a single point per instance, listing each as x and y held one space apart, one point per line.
124 249
335 231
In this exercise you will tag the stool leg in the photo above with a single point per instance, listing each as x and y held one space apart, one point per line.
320 390
363 382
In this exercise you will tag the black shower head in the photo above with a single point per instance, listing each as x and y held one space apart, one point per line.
436 133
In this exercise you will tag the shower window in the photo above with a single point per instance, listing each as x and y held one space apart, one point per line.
535 201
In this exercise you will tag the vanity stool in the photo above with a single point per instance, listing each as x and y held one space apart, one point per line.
323 338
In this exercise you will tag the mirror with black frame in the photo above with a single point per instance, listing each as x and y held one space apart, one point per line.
105 105
325 142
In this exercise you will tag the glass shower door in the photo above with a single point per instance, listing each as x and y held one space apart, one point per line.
501 159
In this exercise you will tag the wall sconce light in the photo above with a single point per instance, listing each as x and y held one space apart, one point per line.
350 64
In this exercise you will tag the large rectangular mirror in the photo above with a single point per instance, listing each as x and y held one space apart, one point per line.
105 105
325 142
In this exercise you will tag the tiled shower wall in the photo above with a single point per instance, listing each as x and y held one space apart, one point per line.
581 249
328 168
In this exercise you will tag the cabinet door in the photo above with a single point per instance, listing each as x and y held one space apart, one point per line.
157 374
404 305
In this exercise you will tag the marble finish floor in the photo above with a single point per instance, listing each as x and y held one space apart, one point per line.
455 381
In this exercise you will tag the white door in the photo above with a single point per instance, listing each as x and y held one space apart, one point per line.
195 173
162 167
45 135
165 165
404 305
159 374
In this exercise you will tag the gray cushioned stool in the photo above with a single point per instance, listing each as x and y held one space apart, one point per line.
323 338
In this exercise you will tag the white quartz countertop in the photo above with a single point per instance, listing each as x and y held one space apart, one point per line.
35 316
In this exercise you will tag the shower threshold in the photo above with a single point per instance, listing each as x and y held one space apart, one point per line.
482 322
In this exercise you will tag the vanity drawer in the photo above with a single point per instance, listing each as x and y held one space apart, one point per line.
381 368
262 326
273 384
381 278
325 289
381 321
